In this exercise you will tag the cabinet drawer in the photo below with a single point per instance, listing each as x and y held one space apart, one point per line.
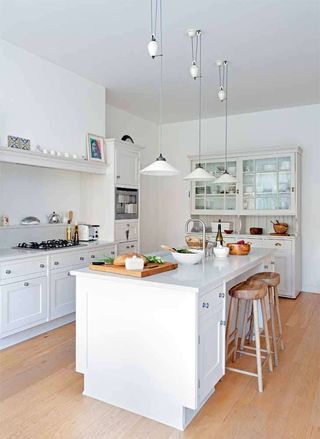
127 231
126 247
11 270
280 244
211 300
101 253
68 259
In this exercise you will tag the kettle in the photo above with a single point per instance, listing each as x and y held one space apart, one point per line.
54 218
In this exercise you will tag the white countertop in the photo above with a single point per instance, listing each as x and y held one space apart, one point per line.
9 254
207 274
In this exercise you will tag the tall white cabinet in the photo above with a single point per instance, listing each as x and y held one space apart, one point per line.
267 188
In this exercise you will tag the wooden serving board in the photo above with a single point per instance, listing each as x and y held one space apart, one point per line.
149 269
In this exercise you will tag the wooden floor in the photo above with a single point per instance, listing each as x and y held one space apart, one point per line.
41 394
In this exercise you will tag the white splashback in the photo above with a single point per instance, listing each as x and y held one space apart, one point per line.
11 236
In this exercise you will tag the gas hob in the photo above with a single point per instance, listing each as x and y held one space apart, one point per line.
52 244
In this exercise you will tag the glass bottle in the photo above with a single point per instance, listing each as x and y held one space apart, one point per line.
219 237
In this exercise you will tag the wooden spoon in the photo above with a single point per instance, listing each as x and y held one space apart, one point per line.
167 247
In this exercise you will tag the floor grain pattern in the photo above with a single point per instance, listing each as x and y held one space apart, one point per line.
40 394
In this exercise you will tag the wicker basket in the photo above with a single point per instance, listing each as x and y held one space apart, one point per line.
239 249
280 228
195 242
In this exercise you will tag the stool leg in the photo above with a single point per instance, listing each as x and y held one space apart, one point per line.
244 324
258 351
276 296
229 322
273 325
236 335
250 335
266 331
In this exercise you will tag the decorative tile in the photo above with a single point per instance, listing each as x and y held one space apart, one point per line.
25 144
13 142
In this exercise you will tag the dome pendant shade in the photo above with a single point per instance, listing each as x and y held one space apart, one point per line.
153 47
226 178
160 168
199 174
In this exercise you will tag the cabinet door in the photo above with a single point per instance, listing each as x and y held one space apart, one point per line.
211 349
282 265
62 293
127 168
127 247
23 305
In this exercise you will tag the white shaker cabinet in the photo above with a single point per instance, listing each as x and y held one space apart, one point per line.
211 352
62 293
127 168
126 247
23 305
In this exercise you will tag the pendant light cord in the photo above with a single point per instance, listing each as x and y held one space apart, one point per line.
161 80
226 115
154 26
200 95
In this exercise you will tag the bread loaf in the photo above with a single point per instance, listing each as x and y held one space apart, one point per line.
121 260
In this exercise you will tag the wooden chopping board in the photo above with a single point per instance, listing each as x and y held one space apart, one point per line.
148 270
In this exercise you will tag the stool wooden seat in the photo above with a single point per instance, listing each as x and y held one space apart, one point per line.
272 280
251 292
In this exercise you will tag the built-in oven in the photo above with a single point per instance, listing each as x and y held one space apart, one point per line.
126 203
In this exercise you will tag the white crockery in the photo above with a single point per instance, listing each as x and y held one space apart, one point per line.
221 252
188 258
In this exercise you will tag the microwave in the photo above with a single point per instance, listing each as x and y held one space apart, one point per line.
126 203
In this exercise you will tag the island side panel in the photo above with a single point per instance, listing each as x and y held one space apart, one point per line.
137 344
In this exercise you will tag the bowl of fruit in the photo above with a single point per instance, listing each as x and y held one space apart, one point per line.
239 248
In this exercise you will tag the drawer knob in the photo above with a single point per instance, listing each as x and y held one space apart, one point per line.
56 263
205 305
8 271
69 274
92 256
112 252
278 244
81 258
26 284
42 265
221 294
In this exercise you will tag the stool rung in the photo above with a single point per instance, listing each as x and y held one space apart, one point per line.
249 353
244 372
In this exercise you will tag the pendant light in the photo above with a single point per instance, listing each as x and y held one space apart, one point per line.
160 167
153 46
223 97
198 173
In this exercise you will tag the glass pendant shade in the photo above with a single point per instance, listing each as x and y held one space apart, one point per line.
221 95
153 47
194 70
160 168
226 178
199 174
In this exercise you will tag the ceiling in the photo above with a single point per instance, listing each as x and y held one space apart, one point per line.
272 45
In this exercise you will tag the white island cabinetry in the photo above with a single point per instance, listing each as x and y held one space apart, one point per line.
155 346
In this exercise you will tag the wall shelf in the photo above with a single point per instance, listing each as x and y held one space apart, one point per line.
30 158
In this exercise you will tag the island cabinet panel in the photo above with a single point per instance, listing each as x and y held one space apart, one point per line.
62 293
211 358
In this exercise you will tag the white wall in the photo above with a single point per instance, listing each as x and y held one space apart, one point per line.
298 126
55 109
144 133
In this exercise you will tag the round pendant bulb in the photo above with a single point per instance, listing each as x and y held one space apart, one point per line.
194 70
153 48
221 95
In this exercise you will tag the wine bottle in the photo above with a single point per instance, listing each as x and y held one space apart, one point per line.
219 237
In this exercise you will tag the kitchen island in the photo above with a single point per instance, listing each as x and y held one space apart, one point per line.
155 346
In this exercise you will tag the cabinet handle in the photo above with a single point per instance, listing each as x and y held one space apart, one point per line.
26 284
292 189
272 263
205 305
93 256
8 271
118 176
56 263
81 258
42 265
132 246
69 274
278 244
112 253
221 295
128 246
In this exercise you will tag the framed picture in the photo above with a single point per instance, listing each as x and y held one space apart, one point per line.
95 148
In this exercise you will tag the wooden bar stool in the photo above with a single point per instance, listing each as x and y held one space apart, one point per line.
251 292
272 280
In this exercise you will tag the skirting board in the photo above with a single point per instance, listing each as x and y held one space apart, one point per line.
36 330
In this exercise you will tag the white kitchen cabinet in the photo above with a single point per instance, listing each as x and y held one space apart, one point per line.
23 305
62 293
126 247
126 231
211 352
267 184
127 168
101 253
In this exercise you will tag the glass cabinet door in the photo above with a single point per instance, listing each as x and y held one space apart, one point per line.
209 196
267 183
